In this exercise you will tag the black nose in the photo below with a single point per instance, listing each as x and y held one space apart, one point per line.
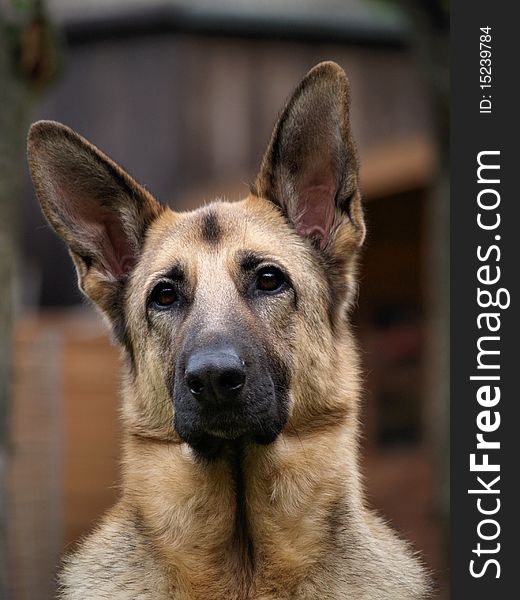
215 375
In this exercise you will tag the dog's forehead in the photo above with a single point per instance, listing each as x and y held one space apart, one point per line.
219 231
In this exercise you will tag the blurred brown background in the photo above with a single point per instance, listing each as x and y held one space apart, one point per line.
184 95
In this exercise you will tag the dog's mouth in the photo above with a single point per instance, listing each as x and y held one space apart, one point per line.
208 430
220 394
210 446
225 424
208 442
226 433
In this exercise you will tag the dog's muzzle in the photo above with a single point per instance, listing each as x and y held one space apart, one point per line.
223 392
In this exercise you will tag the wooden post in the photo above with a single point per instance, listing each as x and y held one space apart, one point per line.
27 64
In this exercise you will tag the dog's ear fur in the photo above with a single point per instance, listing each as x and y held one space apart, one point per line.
310 167
98 209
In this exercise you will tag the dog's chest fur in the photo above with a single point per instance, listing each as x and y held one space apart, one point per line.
279 533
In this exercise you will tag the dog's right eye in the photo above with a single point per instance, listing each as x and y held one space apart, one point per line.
163 295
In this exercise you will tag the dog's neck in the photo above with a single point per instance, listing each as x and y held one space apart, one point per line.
255 517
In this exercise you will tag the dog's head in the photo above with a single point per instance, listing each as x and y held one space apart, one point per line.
230 316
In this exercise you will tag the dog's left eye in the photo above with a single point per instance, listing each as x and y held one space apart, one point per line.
270 279
164 295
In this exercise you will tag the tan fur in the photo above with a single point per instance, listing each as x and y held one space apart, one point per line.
285 520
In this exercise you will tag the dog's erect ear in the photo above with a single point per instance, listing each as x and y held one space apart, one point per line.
310 167
97 208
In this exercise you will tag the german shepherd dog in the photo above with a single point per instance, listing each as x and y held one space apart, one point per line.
240 477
